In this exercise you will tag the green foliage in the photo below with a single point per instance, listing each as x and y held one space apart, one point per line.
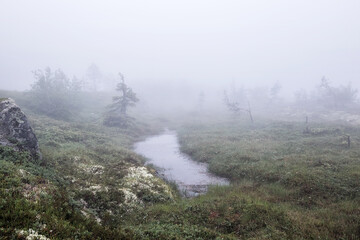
49 197
311 177
9 154
285 184
54 94
223 213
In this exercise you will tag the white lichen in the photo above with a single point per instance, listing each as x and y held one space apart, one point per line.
139 172
92 169
96 188
131 200
31 235
23 172
139 179
34 192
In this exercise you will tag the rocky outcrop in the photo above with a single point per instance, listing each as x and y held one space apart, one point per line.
15 130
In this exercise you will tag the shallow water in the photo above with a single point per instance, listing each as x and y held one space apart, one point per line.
163 151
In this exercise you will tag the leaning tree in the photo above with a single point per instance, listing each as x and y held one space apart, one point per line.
117 113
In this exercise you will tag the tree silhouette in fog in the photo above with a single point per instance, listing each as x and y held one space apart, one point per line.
117 113
54 94
339 98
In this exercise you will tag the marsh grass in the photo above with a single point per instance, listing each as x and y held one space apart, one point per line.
285 184
313 178
223 213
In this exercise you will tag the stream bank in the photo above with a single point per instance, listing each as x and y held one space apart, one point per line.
163 151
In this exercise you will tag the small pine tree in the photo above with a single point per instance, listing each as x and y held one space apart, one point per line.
117 114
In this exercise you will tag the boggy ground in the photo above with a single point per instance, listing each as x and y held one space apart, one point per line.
309 179
286 184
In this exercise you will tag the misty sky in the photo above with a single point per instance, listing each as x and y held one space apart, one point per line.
200 42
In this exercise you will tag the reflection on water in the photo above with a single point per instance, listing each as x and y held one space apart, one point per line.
163 152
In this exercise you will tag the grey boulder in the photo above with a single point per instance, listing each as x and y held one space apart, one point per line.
15 130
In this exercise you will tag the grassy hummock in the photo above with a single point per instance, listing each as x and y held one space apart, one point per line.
312 178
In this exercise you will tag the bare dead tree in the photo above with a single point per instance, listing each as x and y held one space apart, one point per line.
234 107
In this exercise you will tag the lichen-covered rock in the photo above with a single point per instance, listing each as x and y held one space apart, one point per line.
15 130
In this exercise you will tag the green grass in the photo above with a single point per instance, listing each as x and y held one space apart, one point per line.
223 213
285 184
79 182
313 178
91 156
32 198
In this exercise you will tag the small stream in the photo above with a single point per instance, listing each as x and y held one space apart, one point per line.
163 151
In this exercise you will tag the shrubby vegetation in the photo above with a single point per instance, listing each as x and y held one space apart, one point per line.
329 97
54 94
249 102
85 180
32 198
342 97
286 183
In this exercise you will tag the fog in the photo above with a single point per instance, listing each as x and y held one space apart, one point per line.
196 45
